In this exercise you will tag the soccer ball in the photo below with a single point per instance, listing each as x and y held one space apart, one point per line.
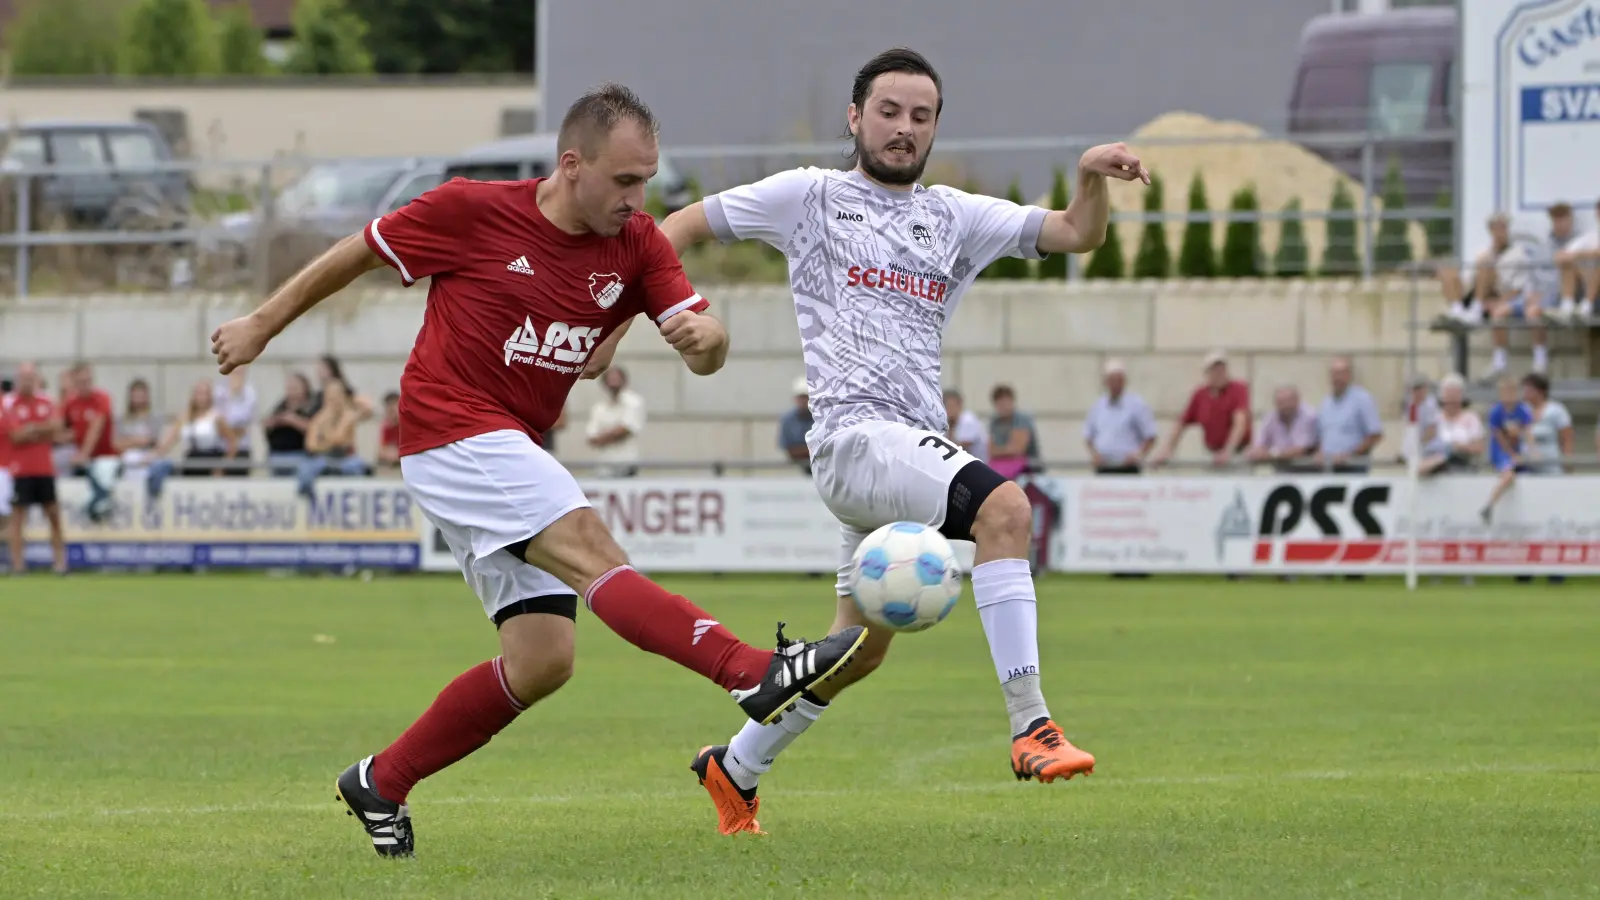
905 577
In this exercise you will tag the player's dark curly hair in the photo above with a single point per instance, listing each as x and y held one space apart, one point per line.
899 59
592 116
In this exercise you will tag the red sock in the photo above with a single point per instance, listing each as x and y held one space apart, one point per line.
649 618
466 714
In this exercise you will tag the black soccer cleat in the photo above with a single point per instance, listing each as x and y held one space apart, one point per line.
386 822
797 667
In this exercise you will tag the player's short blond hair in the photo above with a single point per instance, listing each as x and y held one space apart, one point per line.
591 118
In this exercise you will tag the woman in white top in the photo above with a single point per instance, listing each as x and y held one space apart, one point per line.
203 434
235 400
1549 439
1459 437
139 429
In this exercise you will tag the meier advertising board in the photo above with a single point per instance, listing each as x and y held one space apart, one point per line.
243 523
1529 113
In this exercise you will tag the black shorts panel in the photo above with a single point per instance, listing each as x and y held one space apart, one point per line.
33 490
563 605
971 486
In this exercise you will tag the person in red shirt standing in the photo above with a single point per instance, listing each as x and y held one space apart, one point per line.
5 457
88 414
33 422
528 278
1221 407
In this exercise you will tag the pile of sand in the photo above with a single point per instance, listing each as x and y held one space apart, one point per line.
1281 171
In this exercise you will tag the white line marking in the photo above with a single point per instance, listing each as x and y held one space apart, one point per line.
1093 782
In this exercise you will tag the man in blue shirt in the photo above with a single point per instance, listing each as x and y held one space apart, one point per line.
1508 423
1348 426
1120 429
793 426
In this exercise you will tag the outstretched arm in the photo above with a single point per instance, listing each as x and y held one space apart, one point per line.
687 227
240 341
1081 227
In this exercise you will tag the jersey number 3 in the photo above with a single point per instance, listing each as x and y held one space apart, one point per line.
940 444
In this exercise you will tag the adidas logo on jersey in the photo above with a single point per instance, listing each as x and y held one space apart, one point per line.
520 266
562 343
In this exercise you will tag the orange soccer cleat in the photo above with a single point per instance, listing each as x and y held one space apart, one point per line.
1043 752
736 807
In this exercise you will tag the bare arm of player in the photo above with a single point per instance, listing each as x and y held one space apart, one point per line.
1081 227
687 227
600 360
700 339
240 341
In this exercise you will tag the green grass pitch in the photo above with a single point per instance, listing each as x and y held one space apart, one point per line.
178 737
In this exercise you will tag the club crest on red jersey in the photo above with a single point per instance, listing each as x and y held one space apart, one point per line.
605 289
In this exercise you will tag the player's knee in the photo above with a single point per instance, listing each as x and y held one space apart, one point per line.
1005 515
534 677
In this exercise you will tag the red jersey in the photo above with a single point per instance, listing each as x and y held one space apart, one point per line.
1213 412
5 432
516 305
390 436
80 411
32 459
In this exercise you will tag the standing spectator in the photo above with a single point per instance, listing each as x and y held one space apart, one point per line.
286 427
1549 436
204 438
1120 429
1508 423
235 400
1348 425
139 430
964 427
1578 267
1287 435
6 399
64 449
614 426
793 426
32 422
1221 407
1013 439
1459 436
389 437
88 416
331 438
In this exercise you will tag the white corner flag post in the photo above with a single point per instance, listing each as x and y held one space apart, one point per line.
1413 442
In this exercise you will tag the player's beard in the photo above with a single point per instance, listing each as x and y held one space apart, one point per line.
885 172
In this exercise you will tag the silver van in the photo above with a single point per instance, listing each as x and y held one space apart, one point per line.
534 156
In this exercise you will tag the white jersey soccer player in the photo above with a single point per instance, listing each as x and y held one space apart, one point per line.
878 265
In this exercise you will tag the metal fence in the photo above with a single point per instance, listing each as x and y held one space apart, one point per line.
225 226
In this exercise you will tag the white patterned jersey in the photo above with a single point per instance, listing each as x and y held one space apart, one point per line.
876 276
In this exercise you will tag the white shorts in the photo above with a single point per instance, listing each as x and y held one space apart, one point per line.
486 492
6 489
875 473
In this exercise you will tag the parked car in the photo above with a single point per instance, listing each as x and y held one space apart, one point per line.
1394 74
534 156
112 194
332 200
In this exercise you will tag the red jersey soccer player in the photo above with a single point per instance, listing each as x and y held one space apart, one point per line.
528 277
32 422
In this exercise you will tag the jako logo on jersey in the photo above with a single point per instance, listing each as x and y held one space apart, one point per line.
850 217
605 289
930 289
562 343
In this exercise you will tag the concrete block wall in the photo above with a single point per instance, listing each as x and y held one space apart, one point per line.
1049 341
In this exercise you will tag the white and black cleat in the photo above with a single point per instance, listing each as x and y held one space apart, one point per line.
797 667
387 823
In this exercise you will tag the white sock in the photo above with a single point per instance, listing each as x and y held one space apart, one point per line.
1003 589
753 750
1499 361
1541 357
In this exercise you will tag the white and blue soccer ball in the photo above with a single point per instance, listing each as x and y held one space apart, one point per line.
905 577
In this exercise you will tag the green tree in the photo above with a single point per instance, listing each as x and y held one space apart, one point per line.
1442 232
1242 256
1341 257
1107 261
239 42
1154 259
1394 244
65 37
448 36
1197 258
1292 259
170 38
329 40
1010 267
1055 265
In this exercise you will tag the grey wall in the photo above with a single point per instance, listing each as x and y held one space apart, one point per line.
756 71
